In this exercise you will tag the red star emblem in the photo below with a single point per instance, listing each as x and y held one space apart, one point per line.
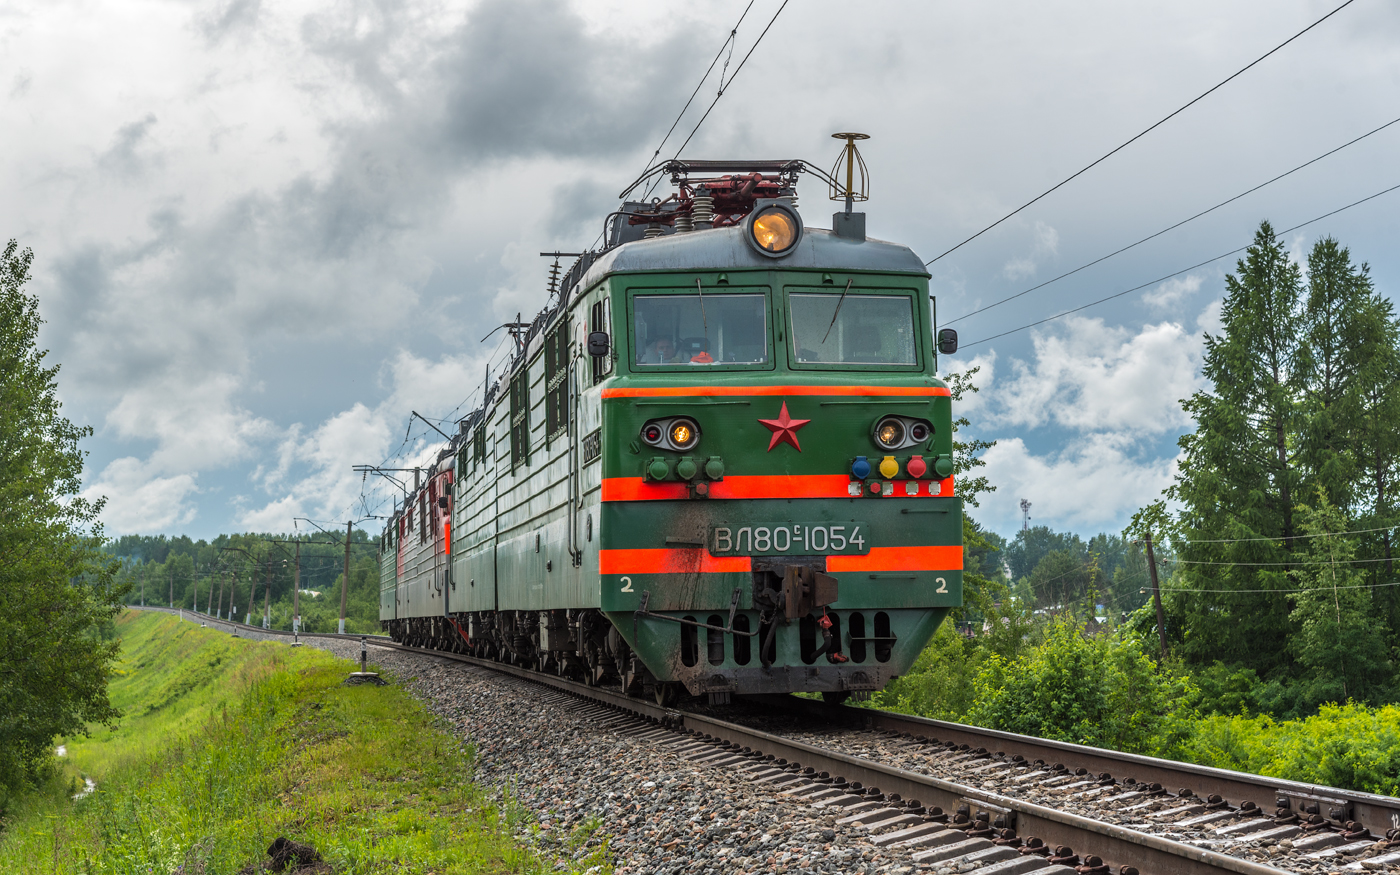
784 429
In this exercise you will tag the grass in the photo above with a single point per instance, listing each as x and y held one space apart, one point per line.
228 743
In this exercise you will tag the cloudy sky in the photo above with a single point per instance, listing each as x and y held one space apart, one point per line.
266 232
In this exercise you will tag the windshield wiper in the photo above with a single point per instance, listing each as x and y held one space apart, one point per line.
703 321
839 302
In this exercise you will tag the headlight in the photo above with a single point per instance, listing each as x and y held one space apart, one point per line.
684 434
889 433
677 433
900 432
774 228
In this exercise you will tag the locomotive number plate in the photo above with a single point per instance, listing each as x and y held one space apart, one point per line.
790 538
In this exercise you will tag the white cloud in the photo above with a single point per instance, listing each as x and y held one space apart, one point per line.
196 424
1091 377
1169 293
325 458
1092 484
139 501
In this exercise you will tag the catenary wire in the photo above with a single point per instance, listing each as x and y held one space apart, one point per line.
732 76
728 44
1179 272
1173 227
1282 537
1141 134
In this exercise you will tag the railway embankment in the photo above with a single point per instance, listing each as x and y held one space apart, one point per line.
228 745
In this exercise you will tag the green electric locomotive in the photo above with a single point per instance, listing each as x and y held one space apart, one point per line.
720 462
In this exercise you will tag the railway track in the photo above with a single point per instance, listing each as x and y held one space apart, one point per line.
1014 804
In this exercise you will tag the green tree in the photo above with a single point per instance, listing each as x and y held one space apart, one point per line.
1339 641
1348 331
56 586
966 453
1240 474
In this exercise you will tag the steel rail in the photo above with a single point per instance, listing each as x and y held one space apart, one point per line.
1377 813
1117 845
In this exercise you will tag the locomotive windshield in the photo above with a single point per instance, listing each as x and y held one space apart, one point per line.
713 329
853 330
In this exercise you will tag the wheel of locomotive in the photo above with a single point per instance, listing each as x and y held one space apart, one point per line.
835 697
667 692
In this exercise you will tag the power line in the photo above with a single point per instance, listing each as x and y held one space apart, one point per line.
1286 537
1179 272
1174 227
1142 134
735 74
728 44
1318 589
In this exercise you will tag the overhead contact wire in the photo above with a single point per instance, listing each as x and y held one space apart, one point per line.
1179 272
1173 114
732 76
1174 227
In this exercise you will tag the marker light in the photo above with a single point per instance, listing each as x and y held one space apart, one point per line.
943 468
917 468
860 468
919 432
889 432
652 434
714 469
889 467
684 434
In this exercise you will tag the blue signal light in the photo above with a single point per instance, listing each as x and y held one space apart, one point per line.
860 468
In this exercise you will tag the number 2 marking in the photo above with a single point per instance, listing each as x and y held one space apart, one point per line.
627 584
942 584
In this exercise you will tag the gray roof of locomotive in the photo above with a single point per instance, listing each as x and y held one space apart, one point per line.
726 249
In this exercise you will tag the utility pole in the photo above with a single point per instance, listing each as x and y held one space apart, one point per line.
296 594
143 584
172 587
219 608
196 592
267 594
345 581
1156 594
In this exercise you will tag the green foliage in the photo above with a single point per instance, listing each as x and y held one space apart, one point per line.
1101 691
1338 640
939 685
56 588
966 458
231 743
1351 746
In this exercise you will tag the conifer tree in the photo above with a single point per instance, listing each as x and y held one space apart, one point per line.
1240 475
1338 641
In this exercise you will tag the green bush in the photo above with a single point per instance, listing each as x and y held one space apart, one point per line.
1352 746
1101 691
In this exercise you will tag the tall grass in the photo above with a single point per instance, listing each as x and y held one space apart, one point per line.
230 743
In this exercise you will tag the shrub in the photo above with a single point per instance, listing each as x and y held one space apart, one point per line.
1100 691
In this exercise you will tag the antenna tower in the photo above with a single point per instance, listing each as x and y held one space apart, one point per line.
1025 515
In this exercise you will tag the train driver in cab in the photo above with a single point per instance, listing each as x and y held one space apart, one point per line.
661 351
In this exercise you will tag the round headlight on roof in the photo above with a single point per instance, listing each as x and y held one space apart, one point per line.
774 229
